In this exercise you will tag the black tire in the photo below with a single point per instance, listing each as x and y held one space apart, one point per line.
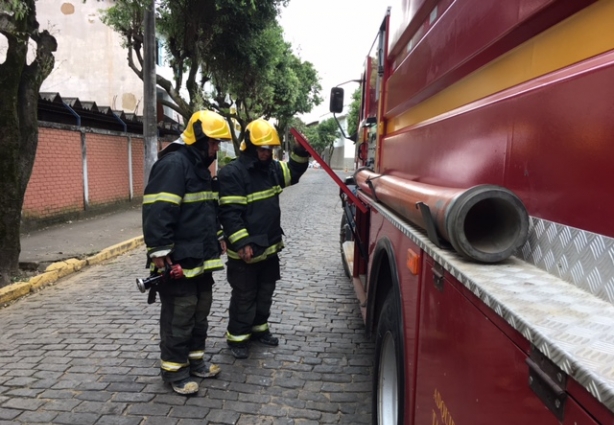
345 234
389 372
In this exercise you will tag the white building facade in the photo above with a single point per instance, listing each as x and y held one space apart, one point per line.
90 62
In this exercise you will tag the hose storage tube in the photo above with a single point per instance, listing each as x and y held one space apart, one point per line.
485 223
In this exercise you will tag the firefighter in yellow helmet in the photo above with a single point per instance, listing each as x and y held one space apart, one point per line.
250 215
180 226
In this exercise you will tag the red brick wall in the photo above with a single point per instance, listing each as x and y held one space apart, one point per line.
56 188
107 168
56 184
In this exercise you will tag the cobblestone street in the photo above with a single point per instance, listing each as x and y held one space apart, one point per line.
85 351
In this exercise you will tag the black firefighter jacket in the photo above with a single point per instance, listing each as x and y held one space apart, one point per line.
249 203
180 212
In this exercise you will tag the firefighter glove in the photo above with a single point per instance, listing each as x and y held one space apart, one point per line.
300 151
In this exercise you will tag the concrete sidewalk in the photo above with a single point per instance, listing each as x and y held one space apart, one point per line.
57 251
80 238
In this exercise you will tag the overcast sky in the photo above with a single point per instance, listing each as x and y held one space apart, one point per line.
334 35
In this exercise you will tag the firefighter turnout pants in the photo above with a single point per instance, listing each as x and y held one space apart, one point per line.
186 304
251 298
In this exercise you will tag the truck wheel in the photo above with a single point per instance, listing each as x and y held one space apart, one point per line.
388 376
345 235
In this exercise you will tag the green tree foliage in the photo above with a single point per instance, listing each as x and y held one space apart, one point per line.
353 113
311 133
328 132
236 46
321 137
20 83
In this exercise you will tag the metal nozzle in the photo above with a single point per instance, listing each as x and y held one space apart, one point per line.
140 283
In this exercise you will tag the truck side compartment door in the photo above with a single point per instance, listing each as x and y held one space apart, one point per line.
469 371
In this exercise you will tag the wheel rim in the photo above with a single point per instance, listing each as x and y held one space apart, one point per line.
387 394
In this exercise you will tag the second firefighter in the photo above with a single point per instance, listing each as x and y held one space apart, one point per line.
251 218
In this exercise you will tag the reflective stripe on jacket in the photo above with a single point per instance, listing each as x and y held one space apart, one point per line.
249 203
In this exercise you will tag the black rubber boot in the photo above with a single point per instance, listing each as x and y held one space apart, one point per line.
185 386
239 351
266 338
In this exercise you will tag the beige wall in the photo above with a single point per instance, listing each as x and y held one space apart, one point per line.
90 63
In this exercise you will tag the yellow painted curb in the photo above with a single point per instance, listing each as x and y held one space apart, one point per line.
16 290
115 250
60 269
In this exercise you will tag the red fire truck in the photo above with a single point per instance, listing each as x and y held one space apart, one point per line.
479 223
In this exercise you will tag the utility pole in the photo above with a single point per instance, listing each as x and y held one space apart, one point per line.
150 120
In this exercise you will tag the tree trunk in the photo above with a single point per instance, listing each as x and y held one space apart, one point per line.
19 85
11 196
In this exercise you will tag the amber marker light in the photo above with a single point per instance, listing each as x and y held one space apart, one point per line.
413 262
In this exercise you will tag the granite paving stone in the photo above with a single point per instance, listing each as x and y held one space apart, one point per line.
9 413
77 418
38 417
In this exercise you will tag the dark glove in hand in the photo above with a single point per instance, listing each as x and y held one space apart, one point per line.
300 150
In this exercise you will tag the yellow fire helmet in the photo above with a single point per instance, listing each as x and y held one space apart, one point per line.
212 124
261 133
